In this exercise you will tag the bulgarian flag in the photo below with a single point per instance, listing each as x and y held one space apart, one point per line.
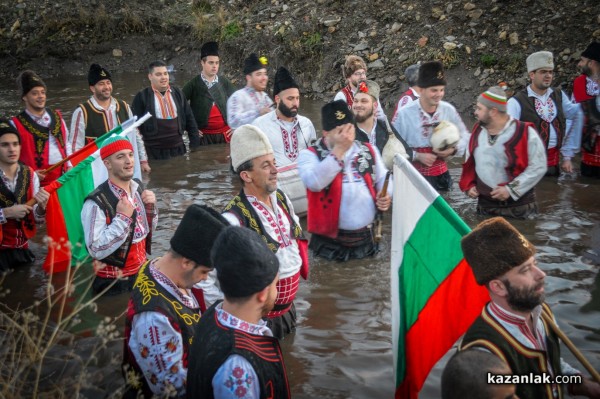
434 294
63 213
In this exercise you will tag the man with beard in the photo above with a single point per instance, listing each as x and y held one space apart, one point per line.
412 93
511 325
355 71
343 178
416 123
547 108
247 104
118 218
101 113
43 132
368 128
590 103
208 93
234 353
163 134
289 133
268 211
507 159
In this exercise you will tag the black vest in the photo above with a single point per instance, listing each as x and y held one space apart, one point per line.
529 114
107 201
591 127
149 296
95 121
487 333
247 216
214 343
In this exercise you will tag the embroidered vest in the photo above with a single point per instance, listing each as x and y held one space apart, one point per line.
149 296
591 126
324 206
96 123
216 342
487 333
107 201
23 192
347 91
35 142
529 114
247 216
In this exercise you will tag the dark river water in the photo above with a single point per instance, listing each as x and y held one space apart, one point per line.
342 348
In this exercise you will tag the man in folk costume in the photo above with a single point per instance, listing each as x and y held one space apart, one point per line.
234 353
165 307
412 93
288 133
507 159
208 93
368 128
118 218
417 121
512 324
547 108
18 184
43 131
344 178
269 211
590 103
172 116
355 71
247 104
101 113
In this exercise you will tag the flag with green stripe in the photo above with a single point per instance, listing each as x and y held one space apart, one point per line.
434 294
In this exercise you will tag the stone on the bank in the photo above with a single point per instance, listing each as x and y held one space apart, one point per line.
117 52
422 42
396 27
15 26
361 47
373 57
513 38
477 72
502 35
450 46
475 14
390 79
403 57
375 65
331 21
469 6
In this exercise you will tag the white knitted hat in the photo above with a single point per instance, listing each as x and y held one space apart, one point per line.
541 59
248 142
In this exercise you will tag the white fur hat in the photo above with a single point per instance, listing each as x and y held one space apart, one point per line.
248 142
541 59
444 136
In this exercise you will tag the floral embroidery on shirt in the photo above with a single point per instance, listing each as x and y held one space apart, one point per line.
239 382
546 110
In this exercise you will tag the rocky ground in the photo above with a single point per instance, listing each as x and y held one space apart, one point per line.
481 43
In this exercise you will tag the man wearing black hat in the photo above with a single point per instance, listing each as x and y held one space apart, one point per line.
43 131
344 178
18 184
101 113
172 115
165 306
247 104
416 123
208 94
289 133
261 206
512 325
234 353
589 97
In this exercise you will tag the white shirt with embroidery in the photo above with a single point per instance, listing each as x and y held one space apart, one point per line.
157 345
236 378
244 106
404 100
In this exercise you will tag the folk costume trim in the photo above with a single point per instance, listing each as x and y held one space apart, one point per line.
290 140
41 138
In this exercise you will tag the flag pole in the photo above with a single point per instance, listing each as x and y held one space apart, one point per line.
582 359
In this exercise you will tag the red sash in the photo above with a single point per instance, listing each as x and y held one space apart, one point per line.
287 288
216 123
553 156
591 159
438 167
135 259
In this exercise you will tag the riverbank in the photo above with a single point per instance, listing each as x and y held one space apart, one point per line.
481 43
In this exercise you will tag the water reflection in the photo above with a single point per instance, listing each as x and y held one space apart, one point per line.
342 348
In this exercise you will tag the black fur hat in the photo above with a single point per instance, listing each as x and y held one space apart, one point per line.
209 48
27 80
98 73
335 113
431 74
253 63
6 127
283 81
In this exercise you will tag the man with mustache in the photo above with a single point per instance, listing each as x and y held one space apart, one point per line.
101 113
172 115
288 133
547 108
511 325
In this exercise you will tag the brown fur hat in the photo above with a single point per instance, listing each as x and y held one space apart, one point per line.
353 63
493 248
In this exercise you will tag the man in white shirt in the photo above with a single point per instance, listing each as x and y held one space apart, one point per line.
344 178
234 354
165 306
268 211
289 133
547 108
411 74
118 218
247 104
